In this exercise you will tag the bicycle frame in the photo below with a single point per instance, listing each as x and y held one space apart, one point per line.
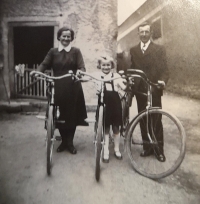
146 132
130 81
99 127
101 103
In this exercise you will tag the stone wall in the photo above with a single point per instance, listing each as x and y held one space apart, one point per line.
94 23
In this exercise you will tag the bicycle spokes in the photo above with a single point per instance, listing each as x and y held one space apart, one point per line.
160 134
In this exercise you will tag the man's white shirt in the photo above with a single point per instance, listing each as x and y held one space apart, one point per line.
144 46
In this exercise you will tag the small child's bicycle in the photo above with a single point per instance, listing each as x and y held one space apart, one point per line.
52 114
99 126
163 130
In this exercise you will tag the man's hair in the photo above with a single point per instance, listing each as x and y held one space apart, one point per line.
144 24
59 33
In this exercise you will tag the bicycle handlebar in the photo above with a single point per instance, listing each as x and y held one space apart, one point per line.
140 74
50 77
101 80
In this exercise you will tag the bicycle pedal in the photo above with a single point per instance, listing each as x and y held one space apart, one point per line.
58 138
41 117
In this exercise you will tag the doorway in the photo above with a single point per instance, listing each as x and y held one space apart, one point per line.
31 44
28 44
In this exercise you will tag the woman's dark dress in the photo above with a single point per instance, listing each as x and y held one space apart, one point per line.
68 93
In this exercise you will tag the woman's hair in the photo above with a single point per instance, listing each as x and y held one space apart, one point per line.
59 33
105 59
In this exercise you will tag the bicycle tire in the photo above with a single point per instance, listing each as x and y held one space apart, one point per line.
98 143
50 143
174 147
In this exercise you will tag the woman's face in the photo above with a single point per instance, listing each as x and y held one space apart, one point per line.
65 38
106 67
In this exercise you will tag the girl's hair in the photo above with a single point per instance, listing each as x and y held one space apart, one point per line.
105 59
59 33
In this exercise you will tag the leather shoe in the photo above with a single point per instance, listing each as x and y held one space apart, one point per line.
146 153
105 160
61 148
118 156
72 149
161 157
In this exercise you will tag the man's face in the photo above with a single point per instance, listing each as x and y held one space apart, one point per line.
144 33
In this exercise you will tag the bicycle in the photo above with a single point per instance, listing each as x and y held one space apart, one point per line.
147 122
99 126
52 114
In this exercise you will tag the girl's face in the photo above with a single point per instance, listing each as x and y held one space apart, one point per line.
65 38
106 67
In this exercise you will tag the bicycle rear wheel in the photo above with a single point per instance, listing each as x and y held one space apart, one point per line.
50 142
173 143
98 143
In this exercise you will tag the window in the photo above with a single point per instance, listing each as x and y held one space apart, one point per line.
156 27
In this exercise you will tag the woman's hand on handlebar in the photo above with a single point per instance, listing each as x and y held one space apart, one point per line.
79 73
34 74
80 76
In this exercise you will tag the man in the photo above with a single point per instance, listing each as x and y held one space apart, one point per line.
151 59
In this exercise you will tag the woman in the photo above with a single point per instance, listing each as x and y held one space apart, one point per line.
68 94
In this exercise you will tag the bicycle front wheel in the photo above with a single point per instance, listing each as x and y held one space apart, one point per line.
98 143
167 136
50 142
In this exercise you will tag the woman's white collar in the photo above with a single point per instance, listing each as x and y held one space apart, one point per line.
61 47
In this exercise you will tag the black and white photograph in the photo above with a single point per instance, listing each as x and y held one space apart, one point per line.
99 101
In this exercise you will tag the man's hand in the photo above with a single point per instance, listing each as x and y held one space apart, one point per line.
161 84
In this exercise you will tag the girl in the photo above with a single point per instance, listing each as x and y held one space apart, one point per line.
112 100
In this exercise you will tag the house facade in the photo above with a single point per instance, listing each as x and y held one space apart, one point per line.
28 30
176 26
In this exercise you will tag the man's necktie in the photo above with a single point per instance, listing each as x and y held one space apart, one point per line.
143 48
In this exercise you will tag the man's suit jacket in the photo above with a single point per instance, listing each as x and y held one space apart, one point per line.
153 63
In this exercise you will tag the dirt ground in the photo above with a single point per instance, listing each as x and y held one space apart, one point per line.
23 178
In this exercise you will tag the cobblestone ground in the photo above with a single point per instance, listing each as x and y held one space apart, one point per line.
23 178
